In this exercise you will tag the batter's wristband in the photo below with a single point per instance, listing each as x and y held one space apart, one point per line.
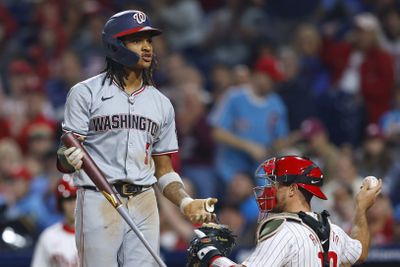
167 179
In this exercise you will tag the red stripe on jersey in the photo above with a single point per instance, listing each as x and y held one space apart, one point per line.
165 153
140 90
74 133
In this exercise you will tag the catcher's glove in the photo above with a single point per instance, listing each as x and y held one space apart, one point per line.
211 240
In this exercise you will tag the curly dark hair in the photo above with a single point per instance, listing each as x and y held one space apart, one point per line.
116 72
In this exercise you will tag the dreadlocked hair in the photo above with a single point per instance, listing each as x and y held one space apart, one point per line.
116 72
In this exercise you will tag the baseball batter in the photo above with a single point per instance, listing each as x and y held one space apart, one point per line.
56 246
128 129
292 235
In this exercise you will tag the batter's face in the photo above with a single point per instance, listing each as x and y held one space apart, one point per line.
141 44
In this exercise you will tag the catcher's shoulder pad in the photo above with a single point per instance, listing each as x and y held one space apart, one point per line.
273 223
269 228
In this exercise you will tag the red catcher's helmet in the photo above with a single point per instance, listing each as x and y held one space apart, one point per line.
65 190
287 170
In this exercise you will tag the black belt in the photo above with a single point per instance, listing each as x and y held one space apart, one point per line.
124 189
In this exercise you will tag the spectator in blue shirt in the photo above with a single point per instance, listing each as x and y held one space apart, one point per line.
249 122
27 203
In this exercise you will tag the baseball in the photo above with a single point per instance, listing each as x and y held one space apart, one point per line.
372 181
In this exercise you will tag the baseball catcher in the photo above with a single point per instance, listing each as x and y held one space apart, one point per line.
289 233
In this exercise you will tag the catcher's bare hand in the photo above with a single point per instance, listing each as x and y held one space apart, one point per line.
367 196
200 210
74 157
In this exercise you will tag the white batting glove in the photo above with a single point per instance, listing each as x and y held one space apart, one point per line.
74 157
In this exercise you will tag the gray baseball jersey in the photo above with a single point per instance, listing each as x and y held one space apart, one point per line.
121 131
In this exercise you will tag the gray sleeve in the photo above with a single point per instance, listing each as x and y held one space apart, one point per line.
167 141
77 108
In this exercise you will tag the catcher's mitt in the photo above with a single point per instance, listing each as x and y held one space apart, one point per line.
217 235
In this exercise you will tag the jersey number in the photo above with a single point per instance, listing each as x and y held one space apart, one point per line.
332 257
146 159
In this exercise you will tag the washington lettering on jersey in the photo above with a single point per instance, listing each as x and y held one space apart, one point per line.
133 127
124 121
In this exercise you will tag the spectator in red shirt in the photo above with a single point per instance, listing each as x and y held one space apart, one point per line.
360 66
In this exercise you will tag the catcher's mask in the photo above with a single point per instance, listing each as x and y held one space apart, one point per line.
286 170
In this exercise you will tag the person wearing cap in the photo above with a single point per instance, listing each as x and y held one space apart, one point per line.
290 233
128 128
21 76
13 106
56 244
26 203
361 67
249 121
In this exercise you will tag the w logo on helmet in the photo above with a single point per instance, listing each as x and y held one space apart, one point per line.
140 17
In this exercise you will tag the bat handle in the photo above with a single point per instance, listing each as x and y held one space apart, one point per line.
92 170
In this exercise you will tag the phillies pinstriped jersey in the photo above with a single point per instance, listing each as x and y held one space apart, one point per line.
121 131
56 248
297 245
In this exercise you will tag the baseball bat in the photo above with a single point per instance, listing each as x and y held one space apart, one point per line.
97 177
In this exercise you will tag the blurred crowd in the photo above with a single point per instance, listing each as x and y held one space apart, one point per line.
249 79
